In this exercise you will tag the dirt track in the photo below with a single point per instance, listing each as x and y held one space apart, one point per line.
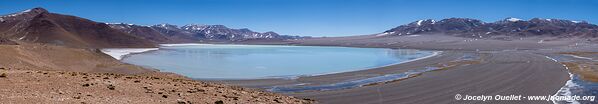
505 73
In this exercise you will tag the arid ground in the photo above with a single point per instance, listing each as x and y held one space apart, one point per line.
504 67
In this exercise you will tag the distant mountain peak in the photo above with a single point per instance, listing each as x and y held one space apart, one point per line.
28 13
512 19
124 25
509 26
165 25
120 23
191 32
37 10
423 22
199 27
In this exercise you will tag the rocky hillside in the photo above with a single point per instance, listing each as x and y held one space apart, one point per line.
511 27
37 25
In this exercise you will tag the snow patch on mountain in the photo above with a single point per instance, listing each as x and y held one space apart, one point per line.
514 19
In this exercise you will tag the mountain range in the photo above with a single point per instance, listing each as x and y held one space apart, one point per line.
509 27
37 25
167 33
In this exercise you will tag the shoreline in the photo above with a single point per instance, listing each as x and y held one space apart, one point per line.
121 53
382 78
331 78
124 52
293 77
577 85
566 89
434 53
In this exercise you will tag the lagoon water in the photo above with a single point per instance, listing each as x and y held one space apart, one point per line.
207 61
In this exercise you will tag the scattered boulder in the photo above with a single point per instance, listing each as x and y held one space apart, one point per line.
219 102
276 100
180 101
111 87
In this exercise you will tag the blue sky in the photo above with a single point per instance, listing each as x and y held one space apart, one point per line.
308 17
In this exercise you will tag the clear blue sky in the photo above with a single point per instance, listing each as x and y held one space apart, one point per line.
308 17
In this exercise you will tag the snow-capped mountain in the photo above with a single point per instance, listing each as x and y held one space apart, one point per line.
167 33
466 27
144 32
223 32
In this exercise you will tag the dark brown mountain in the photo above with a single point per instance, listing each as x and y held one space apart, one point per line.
513 27
37 25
